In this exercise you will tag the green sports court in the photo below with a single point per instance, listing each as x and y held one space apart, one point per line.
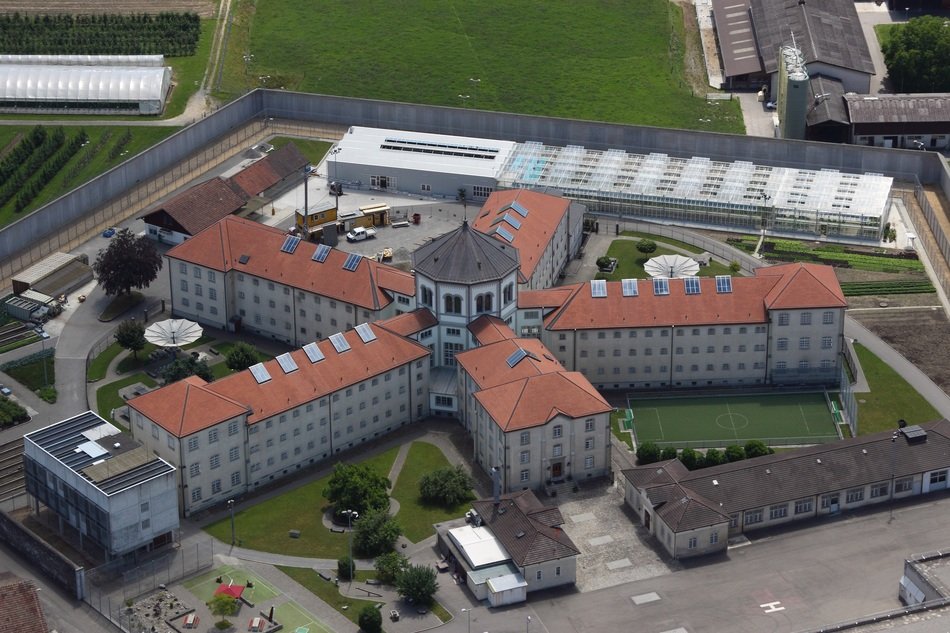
205 585
716 421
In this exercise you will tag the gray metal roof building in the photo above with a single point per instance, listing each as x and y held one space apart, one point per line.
465 256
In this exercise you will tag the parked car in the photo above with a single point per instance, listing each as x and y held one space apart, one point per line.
6 391
359 234
109 232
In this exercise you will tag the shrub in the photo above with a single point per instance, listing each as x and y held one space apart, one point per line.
417 583
648 453
222 625
241 356
669 452
691 458
603 262
646 246
757 448
371 620
713 457
389 566
446 487
735 453
344 568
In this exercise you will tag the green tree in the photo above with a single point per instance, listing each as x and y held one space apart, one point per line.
129 262
389 566
757 448
735 453
185 366
357 487
375 533
648 453
446 487
417 583
130 335
735 267
916 55
713 457
370 620
646 246
241 356
603 262
669 452
691 458
223 605
344 568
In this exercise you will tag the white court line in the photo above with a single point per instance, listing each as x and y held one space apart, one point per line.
804 419
729 411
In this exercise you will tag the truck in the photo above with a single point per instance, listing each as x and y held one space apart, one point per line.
358 234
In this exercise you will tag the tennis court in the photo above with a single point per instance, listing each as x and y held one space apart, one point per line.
714 421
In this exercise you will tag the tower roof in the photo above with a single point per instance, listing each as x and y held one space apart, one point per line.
465 256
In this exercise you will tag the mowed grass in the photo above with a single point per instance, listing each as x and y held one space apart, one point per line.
313 150
264 525
108 398
415 517
616 60
891 397
205 585
718 421
631 262
100 364
327 591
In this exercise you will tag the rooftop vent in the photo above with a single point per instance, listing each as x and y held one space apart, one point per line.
818 460
519 534
715 482
768 471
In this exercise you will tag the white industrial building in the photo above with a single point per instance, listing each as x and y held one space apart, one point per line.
72 87
108 491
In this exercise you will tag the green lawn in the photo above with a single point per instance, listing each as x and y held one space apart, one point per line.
327 591
206 584
666 240
616 427
100 364
189 71
35 375
606 61
108 398
135 362
891 398
313 150
631 261
264 526
416 518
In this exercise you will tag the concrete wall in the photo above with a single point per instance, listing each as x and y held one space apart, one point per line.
43 557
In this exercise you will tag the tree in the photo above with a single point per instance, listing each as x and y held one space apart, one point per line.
735 453
713 457
370 620
131 336
757 448
222 606
603 262
375 533
446 487
462 197
648 453
357 487
185 366
916 55
417 583
646 246
669 452
344 568
735 267
691 458
129 262
389 566
241 356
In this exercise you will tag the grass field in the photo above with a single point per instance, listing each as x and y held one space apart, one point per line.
631 261
313 150
607 61
719 421
327 591
108 398
204 586
891 397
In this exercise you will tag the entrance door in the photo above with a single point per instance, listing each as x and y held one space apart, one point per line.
556 470
646 520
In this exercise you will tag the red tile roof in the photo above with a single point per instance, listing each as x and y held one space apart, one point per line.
20 605
488 364
187 406
270 170
222 245
803 286
199 207
490 329
549 298
535 231
536 400
410 323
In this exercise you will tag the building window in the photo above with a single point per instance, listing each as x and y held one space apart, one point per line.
236 478
905 484
192 444
692 543
444 401
196 494
481 191
829 500
525 457
733 521
212 436
524 475
453 304
557 571
589 425
538 575
194 470
805 318
558 430
753 516
483 302
782 345
588 444
558 450
427 296
215 461
804 343
803 505
182 268
879 490
508 293
938 477
234 454
855 495
828 318
713 538
144 507
215 486
525 438
778 511
589 462
449 350
783 318
453 331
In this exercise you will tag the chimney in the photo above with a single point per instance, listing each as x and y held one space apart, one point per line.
496 485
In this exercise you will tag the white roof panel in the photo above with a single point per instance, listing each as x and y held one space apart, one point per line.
84 60
478 545
82 83
506 582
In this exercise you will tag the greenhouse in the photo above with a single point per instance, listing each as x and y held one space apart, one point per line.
100 89
700 191
140 61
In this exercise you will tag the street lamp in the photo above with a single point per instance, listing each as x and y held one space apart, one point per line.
335 190
231 509
350 515
468 612
765 209
464 99
527 626
475 81
894 437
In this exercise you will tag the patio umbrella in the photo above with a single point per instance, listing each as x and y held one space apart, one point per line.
173 332
671 266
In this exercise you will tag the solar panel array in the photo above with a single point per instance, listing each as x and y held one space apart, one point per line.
321 254
365 332
661 286
519 209
352 261
692 285
287 363
339 343
260 373
598 288
516 357
313 352
290 244
723 284
629 287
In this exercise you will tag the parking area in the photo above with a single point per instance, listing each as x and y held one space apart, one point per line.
614 549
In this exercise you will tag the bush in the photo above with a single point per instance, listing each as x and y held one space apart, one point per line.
371 620
47 394
222 625
757 448
389 566
223 605
648 453
357 487
417 583
241 356
375 533
646 246
735 453
11 412
603 262
344 568
669 452
713 457
446 487
691 458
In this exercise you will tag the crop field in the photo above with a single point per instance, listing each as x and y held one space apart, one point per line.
615 61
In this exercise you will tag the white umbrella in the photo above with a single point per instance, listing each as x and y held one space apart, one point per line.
173 332
671 266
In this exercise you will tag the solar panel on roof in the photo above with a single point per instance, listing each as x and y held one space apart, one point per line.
352 261
339 343
260 373
519 209
313 352
723 284
286 363
692 285
320 255
661 286
516 357
290 244
598 288
629 287
243 259
366 332
505 233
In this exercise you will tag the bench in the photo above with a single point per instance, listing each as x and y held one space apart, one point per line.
337 530
325 576
213 351
293 533
400 224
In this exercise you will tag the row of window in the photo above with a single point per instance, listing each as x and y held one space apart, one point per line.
199 306
196 272
804 318
215 487
679 351
804 343
693 541
556 431
198 291
665 332
588 465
